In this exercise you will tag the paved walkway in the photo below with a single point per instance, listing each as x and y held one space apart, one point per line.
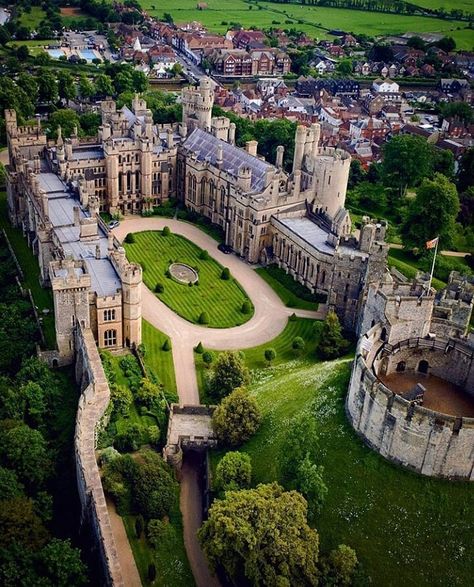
269 319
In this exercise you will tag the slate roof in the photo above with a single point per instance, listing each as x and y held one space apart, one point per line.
205 146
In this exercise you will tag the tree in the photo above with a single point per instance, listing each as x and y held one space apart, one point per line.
261 537
29 84
207 358
407 160
61 564
48 86
66 85
229 373
22 53
166 231
199 349
270 355
299 442
344 67
447 44
443 162
356 173
332 344
246 307
342 563
298 344
85 87
10 487
20 524
237 418
466 215
416 43
466 170
90 123
104 86
65 118
147 392
460 110
309 481
432 213
225 275
203 318
204 255
121 398
166 345
26 451
233 472
159 288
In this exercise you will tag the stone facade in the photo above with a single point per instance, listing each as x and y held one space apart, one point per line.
398 329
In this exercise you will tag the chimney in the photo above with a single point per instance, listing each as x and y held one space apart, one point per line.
97 251
44 202
170 138
232 133
279 156
77 215
251 147
220 156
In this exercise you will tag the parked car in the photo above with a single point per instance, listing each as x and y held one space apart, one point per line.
224 248
113 224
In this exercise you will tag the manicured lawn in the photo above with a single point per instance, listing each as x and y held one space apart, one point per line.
309 330
406 529
291 293
221 299
43 297
158 361
172 567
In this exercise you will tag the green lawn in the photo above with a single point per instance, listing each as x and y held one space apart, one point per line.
160 362
33 18
291 293
406 529
309 330
221 299
172 567
221 13
43 297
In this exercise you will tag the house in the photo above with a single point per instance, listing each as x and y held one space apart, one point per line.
365 70
336 51
244 39
320 67
385 86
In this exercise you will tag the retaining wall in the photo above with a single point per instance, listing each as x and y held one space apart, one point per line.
92 407
428 442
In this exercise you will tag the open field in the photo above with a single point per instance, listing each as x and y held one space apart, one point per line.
406 529
465 5
267 14
221 299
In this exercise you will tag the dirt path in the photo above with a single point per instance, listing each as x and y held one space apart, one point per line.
131 577
269 319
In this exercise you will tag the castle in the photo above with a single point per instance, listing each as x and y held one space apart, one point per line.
56 190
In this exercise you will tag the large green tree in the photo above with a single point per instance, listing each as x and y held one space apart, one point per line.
229 373
233 472
261 536
237 418
431 213
466 170
331 343
407 159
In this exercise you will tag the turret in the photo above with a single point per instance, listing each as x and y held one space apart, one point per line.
244 179
279 156
300 140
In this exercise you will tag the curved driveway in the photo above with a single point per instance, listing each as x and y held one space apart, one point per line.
269 319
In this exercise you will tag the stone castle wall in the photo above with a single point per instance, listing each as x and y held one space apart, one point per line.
92 406
428 442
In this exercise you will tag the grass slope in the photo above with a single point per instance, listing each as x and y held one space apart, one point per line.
42 297
222 300
407 529
160 362
286 292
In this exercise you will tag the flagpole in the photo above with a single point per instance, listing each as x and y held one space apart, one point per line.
433 265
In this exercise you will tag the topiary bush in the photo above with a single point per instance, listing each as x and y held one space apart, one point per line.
166 231
246 307
292 318
203 318
298 344
130 238
204 255
207 358
159 288
166 345
225 273
199 348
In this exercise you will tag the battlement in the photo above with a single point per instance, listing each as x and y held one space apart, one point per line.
69 274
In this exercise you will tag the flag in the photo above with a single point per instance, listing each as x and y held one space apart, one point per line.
432 243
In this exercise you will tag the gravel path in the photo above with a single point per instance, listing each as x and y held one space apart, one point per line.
268 321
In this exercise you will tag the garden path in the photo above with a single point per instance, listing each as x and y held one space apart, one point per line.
269 319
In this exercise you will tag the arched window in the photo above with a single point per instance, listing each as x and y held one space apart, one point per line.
110 338
202 191
423 367
401 366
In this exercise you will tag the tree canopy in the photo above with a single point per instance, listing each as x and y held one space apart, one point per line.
262 535
237 418
229 373
233 472
407 160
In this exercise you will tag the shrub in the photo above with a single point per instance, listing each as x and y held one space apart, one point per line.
139 526
203 318
129 439
166 345
270 355
154 488
199 348
122 399
233 472
225 275
147 392
298 344
207 358
237 418
160 532
332 344
130 238
292 318
190 284
166 231
168 274
154 435
159 288
246 307
204 255
108 455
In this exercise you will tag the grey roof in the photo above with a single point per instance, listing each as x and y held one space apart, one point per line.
50 182
92 152
205 146
310 232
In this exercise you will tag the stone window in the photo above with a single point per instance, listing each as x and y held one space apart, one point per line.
110 338
109 315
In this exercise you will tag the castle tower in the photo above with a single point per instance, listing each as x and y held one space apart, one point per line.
300 140
197 105
71 286
330 177
132 303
